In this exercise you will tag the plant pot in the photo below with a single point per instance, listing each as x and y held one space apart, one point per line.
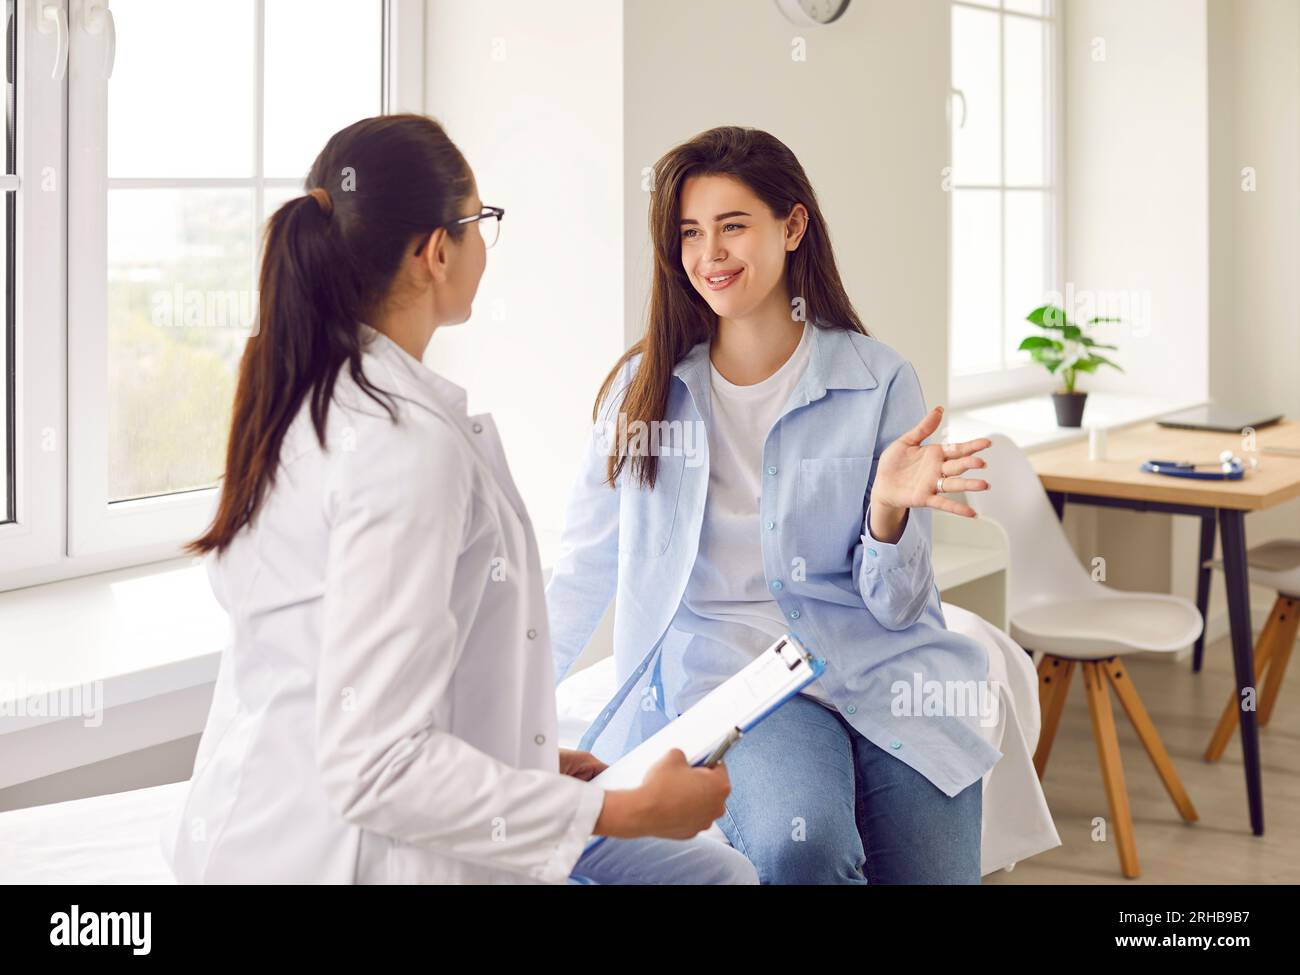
1069 408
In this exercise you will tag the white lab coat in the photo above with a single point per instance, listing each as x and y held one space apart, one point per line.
386 712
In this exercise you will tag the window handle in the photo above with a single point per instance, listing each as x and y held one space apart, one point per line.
54 18
960 96
98 19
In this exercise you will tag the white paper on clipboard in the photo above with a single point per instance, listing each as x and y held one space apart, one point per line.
741 701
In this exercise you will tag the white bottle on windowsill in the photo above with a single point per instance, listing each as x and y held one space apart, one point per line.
1096 443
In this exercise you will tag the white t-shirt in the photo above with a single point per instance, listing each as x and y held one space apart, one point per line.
727 606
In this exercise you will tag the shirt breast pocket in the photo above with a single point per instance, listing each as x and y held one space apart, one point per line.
647 516
832 499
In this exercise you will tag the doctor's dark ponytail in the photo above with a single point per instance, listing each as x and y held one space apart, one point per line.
329 260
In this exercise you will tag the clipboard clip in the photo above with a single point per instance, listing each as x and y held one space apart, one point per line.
798 654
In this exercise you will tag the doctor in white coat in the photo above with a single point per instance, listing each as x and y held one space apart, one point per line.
386 711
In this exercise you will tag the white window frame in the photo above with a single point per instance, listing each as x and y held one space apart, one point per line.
36 534
65 526
1013 381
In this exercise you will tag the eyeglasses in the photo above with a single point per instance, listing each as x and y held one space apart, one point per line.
489 225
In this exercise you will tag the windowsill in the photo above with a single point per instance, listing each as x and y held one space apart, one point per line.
136 633
145 632
154 629
1030 422
153 632
136 651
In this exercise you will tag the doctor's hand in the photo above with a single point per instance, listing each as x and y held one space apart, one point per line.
676 801
915 475
581 765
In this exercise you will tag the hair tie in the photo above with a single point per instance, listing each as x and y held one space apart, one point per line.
322 198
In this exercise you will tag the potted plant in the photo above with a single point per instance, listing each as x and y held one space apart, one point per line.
1066 356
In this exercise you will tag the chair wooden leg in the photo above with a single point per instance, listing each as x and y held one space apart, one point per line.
1053 688
1283 640
1146 730
1112 770
1263 650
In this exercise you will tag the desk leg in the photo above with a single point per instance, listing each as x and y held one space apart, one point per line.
1058 503
1233 526
1203 585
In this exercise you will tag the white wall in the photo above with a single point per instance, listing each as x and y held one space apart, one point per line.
1190 92
864 114
1136 183
532 94
1136 232
559 105
1254 89
1259 84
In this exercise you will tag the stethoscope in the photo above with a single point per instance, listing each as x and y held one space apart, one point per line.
1228 467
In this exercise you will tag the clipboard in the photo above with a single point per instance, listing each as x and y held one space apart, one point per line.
739 703
728 711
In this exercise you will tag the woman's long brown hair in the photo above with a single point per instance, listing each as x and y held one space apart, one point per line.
328 262
679 317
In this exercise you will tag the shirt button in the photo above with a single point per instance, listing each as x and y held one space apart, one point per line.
540 739
769 525
641 669
852 709
772 471
532 634
895 744
794 614
776 584
478 428
871 551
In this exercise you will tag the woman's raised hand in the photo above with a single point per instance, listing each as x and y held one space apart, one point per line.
915 475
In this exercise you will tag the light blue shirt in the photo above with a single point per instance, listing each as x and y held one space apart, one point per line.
870 609
728 607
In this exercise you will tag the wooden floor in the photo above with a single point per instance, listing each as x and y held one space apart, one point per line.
1220 848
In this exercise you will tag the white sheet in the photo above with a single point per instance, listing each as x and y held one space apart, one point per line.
101 840
113 839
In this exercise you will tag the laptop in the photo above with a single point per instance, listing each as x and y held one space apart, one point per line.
1223 419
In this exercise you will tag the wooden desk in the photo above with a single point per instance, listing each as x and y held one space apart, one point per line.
1069 476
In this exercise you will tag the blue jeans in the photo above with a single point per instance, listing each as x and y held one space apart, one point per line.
650 860
814 802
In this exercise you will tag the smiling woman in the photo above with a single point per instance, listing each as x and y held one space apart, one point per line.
811 514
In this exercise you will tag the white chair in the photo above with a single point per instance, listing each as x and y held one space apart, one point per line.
1057 610
1274 565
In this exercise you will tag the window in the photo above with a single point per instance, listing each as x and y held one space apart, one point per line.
33 278
1005 207
183 126
201 142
